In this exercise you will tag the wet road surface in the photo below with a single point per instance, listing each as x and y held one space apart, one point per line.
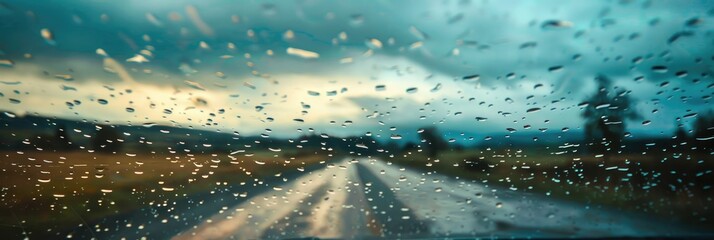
371 199
366 198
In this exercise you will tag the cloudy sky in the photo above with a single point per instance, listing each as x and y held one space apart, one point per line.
350 67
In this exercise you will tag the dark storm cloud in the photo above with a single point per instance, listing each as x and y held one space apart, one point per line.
510 47
606 35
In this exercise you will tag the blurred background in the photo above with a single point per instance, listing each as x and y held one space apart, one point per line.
356 119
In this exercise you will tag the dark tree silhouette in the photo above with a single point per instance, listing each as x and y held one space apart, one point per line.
107 140
605 117
410 146
392 146
704 125
680 134
434 142
704 130
62 139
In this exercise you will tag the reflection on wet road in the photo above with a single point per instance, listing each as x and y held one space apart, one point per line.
366 198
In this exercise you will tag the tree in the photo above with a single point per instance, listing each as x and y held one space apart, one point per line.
392 147
62 139
704 125
107 140
605 116
435 143
704 129
410 146
681 134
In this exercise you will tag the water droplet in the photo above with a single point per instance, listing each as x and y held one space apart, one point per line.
681 74
660 69
302 53
10 115
65 77
690 115
138 58
194 85
374 43
474 77
436 88
553 24
6 63
533 110
555 69
48 36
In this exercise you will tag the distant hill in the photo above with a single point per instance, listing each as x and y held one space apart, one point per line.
29 133
33 132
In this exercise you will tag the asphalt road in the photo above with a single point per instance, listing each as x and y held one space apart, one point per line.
366 198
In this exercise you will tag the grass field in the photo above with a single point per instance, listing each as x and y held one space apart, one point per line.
669 187
47 191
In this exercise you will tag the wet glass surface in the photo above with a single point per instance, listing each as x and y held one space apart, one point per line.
356 119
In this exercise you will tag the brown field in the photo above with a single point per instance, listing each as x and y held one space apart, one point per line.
41 190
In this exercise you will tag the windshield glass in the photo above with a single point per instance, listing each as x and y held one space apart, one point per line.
178 119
